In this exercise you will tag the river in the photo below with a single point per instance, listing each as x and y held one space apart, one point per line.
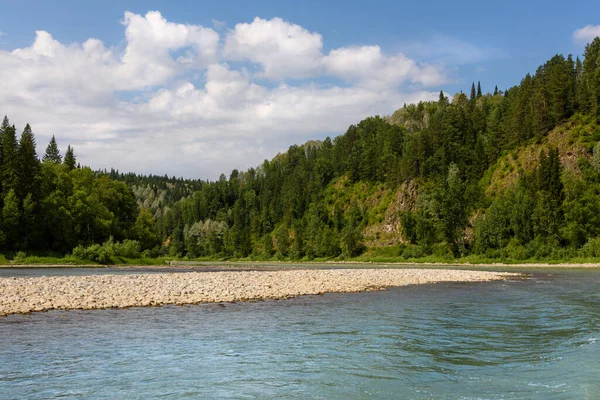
520 339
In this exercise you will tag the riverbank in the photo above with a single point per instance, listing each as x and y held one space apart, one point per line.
25 295
282 265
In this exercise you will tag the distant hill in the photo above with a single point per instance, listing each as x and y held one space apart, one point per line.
501 175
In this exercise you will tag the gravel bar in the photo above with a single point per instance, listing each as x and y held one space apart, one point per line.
26 295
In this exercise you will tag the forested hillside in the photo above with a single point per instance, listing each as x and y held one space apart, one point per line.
512 174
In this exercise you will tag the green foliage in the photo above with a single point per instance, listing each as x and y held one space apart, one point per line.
453 212
8 169
282 242
52 154
20 257
144 229
412 252
70 161
52 207
591 248
596 158
10 220
28 166
107 252
409 226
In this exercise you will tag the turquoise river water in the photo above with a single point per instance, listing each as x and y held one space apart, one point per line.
536 338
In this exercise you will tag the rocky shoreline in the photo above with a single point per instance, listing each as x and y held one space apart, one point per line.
26 295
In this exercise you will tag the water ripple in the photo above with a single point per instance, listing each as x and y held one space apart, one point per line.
524 339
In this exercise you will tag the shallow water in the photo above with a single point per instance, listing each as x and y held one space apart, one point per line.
524 339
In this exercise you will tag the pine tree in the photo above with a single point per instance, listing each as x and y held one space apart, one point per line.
571 90
5 125
9 158
52 154
591 66
479 94
579 92
70 160
28 165
3 128
443 100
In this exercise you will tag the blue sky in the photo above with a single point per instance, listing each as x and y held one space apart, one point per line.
204 92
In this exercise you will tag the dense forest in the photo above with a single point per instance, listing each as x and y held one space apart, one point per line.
508 175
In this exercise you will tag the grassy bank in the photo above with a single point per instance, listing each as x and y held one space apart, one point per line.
383 256
73 261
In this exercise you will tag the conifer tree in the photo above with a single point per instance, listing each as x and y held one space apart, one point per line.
579 100
52 154
473 93
70 160
5 125
443 100
28 165
479 94
9 158
571 89
591 66
3 128
496 90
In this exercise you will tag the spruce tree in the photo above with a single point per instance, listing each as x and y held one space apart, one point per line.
9 158
496 90
473 93
28 165
52 154
443 100
5 125
579 100
70 160
479 94
3 128
591 67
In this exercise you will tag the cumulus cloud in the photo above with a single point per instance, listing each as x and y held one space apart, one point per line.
370 67
175 99
586 34
283 49
150 41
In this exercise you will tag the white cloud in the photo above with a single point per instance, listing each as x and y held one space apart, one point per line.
151 39
171 100
586 34
283 49
370 67
90 68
